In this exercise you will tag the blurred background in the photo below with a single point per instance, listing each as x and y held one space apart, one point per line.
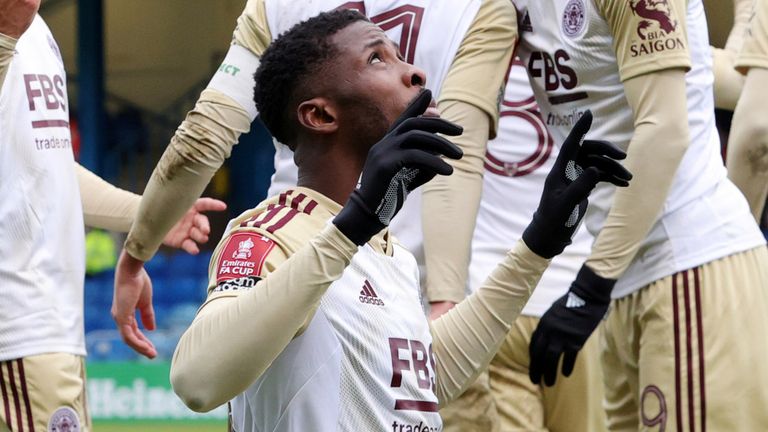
135 67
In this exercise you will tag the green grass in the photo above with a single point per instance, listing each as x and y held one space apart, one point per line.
145 426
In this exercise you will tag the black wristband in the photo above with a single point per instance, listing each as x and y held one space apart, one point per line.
591 287
357 222
544 243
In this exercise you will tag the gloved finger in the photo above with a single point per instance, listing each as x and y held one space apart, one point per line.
431 124
416 108
579 189
429 142
610 169
569 361
535 350
572 144
425 162
551 361
602 148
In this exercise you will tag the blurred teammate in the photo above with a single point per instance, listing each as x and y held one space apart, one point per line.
516 165
678 250
747 159
314 318
455 41
46 198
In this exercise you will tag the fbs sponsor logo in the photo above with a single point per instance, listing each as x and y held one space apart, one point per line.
369 296
657 30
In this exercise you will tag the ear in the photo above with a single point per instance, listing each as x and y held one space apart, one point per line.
318 116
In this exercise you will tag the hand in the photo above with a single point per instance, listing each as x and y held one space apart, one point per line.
436 309
133 290
567 325
406 158
193 228
16 16
578 168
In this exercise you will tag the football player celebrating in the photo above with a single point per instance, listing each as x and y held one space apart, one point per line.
314 318
455 41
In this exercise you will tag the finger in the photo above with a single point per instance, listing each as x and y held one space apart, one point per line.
197 235
425 162
147 314
551 361
602 148
416 108
200 221
535 348
569 361
209 204
135 339
431 124
572 144
431 143
579 189
190 247
609 169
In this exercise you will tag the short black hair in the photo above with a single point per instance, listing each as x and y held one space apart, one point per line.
288 64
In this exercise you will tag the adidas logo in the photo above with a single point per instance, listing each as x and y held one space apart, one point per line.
525 23
574 301
368 295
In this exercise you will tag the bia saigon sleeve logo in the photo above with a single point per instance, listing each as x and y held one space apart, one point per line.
656 28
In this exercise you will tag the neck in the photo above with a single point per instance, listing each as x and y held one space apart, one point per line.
330 169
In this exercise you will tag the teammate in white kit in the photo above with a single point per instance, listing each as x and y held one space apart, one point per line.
303 329
46 198
455 41
678 251
516 165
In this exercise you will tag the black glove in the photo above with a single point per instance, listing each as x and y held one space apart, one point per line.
580 165
407 157
567 325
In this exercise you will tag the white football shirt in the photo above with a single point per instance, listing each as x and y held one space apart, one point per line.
42 252
568 48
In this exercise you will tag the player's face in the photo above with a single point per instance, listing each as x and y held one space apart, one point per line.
376 83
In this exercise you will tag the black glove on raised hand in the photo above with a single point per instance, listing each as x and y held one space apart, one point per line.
567 325
580 165
407 157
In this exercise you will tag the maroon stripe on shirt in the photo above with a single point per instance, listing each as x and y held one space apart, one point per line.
6 402
282 222
257 217
309 207
15 393
700 330
689 352
371 292
415 405
676 327
296 201
268 216
284 197
25 395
